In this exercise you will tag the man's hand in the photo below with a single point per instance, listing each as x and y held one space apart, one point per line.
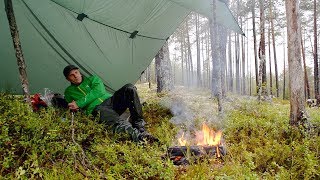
73 106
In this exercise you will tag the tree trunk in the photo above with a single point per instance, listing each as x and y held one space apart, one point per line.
203 74
315 54
189 56
163 70
262 55
223 51
230 64
216 63
208 59
237 44
186 60
181 54
149 77
297 108
237 53
306 79
198 52
270 65
17 46
274 49
223 37
284 72
255 42
243 63
248 62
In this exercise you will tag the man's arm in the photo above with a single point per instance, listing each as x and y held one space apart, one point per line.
67 96
97 90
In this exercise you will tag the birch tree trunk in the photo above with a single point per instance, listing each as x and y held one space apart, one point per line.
297 108
17 46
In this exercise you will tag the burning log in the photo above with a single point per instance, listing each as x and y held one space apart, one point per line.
179 154
208 144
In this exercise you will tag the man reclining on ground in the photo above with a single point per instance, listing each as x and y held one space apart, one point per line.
89 94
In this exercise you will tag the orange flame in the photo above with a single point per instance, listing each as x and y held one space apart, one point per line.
206 137
182 141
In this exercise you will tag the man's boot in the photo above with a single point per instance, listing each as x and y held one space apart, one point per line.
139 124
145 136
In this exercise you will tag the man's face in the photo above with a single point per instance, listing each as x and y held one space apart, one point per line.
75 77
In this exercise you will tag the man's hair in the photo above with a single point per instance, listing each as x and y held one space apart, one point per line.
68 69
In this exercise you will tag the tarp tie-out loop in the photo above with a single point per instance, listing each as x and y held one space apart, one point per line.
133 34
81 16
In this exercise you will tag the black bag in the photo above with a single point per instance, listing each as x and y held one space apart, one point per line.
58 101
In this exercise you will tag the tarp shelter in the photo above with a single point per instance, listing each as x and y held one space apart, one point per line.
114 39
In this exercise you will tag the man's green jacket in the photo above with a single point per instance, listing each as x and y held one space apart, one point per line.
90 93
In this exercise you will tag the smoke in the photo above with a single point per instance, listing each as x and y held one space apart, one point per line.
190 109
182 115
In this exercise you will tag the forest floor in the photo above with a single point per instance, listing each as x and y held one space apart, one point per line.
259 141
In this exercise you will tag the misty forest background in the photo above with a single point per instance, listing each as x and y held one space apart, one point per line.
187 58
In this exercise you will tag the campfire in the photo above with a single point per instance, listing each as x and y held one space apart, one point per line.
206 144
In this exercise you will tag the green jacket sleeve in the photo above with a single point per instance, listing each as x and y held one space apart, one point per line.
67 97
97 90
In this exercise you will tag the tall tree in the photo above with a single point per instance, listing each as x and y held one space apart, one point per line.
315 55
284 71
255 41
230 69
216 63
223 38
270 65
198 51
297 108
237 53
262 54
190 63
163 69
149 77
274 47
243 62
17 46
182 58
306 79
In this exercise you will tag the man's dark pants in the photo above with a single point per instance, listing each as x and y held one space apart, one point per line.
111 109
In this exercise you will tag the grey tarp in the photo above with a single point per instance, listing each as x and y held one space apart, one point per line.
52 37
